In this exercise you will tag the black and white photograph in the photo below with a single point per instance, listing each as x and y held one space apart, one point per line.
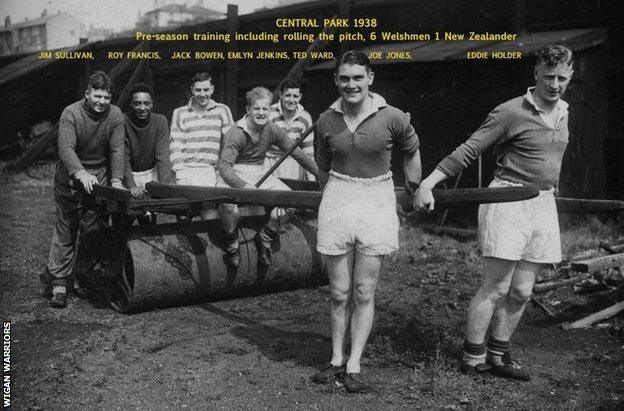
312 204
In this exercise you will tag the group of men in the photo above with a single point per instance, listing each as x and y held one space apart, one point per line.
203 147
351 158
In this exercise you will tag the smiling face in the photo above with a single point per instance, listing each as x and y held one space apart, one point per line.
202 91
258 112
353 82
551 82
98 99
289 99
142 105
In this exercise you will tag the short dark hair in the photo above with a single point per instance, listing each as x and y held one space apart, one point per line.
100 81
290 83
353 57
142 88
552 56
257 93
201 77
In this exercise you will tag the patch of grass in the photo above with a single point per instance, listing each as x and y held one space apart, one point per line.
588 233
37 175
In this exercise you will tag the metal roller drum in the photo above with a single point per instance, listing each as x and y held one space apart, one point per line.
181 263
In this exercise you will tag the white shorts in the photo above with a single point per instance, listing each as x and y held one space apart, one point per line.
521 230
360 213
251 173
143 177
196 176
290 168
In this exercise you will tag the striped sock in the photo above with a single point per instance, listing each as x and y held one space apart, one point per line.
59 289
495 351
473 353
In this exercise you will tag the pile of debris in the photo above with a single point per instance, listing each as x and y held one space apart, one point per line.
591 271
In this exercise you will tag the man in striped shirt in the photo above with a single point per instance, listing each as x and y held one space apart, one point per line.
197 130
289 115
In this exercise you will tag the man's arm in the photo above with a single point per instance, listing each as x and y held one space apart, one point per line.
323 177
488 134
227 121
116 152
308 143
412 167
162 150
128 176
177 143
322 155
284 143
228 157
67 140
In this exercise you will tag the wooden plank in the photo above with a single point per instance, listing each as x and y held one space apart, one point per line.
539 304
612 248
301 185
599 316
270 198
36 149
109 193
551 285
462 196
466 196
459 233
587 206
444 215
592 265
308 199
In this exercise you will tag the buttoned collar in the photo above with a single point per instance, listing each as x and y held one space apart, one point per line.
377 103
211 104
561 105
243 125
278 107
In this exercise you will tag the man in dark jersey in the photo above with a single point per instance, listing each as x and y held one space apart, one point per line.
242 163
357 220
147 143
529 134
90 140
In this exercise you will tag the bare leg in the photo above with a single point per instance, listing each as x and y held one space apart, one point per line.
506 318
497 275
365 277
340 270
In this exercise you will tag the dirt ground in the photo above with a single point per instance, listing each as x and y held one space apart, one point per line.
259 352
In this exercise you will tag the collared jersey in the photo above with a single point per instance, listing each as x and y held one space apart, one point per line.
239 148
528 149
196 136
366 151
300 122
